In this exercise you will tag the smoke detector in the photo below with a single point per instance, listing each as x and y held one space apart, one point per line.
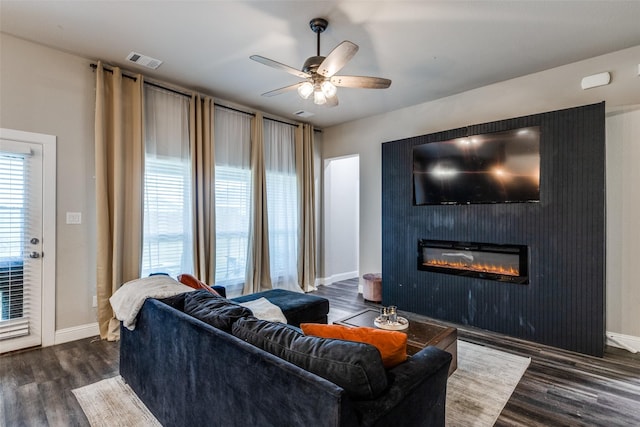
143 60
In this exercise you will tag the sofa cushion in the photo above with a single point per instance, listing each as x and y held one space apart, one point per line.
213 309
391 344
297 307
356 367
176 301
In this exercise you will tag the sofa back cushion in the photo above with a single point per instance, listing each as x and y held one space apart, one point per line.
356 367
213 309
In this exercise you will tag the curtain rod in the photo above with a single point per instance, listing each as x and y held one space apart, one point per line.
134 78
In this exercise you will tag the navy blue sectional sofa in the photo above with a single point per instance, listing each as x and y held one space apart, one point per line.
249 372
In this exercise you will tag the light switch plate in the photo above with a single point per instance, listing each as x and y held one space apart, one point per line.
74 217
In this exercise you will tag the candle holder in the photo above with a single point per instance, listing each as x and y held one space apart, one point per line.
390 320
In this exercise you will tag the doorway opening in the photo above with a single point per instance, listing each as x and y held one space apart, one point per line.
341 214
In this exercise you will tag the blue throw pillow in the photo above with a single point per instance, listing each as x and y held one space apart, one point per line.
213 309
356 367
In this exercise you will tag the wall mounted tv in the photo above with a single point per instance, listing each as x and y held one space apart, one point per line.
497 167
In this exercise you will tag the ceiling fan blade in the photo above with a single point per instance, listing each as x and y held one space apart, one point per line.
337 58
361 82
279 66
283 89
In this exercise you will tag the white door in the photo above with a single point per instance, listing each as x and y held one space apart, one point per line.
23 322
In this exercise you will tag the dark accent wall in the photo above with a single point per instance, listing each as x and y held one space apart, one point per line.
564 303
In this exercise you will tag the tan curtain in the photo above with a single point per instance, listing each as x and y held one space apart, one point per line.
306 203
119 148
258 276
202 161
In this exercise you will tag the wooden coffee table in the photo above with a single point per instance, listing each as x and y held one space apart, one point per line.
420 333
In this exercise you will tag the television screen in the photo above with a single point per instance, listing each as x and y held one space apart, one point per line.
499 167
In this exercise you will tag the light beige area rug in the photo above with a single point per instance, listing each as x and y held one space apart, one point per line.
112 403
476 392
482 385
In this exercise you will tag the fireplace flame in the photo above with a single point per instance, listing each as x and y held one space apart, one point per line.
481 268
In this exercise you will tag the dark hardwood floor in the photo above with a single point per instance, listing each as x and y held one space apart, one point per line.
560 388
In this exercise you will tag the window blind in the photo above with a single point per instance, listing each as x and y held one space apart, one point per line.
15 301
282 204
168 236
232 201
232 197
167 218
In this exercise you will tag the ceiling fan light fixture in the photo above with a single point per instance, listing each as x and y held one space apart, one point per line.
305 90
319 98
328 89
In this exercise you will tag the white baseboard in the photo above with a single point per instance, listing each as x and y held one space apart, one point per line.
336 278
76 333
627 342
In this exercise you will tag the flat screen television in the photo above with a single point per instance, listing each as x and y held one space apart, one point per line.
497 167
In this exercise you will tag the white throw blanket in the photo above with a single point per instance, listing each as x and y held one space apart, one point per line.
264 309
129 298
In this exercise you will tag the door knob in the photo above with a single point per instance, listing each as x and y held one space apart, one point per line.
34 255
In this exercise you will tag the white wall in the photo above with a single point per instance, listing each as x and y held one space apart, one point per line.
341 226
51 92
623 220
535 93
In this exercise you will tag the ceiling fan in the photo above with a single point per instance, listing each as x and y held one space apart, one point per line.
319 72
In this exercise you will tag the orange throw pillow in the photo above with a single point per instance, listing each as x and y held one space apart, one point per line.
391 344
191 281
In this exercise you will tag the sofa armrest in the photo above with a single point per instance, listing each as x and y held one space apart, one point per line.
416 394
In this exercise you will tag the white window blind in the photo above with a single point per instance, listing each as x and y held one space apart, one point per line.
167 218
232 197
282 204
233 189
167 239
15 304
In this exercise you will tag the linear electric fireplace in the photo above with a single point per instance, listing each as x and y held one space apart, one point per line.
504 263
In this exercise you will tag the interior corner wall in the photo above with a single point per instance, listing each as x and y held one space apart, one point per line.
47 91
563 303
548 90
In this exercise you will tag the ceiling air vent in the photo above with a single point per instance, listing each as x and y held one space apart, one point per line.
303 114
145 61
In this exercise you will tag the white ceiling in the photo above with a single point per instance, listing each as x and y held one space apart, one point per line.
429 49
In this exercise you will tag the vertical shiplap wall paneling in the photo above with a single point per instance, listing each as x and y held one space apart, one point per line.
563 305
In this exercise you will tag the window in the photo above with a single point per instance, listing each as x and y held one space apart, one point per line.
167 239
167 219
282 204
13 205
232 197
232 224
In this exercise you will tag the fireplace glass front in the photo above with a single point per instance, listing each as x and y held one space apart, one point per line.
505 263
